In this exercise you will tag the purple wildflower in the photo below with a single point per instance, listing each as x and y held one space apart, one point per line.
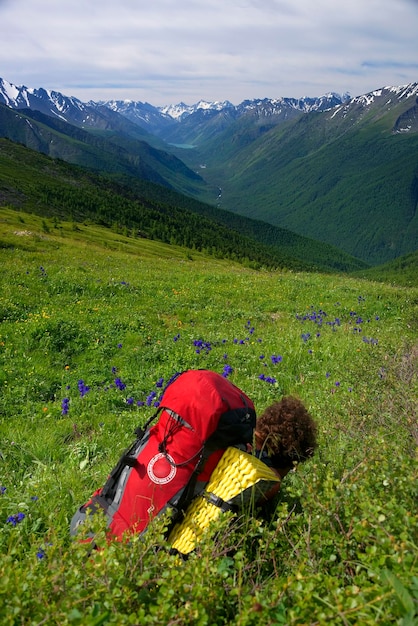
82 388
227 371
65 406
150 398
371 340
15 519
200 344
267 379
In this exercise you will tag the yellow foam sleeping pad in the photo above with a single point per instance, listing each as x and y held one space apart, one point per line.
236 479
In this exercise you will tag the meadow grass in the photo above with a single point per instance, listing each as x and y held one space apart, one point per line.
93 323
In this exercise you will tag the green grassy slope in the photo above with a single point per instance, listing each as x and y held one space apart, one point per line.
32 182
401 271
80 308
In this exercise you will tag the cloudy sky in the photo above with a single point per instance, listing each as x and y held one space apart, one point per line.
167 51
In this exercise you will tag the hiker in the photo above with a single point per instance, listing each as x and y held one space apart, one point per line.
285 435
202 416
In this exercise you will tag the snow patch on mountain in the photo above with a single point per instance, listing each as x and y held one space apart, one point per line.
10 92
51 102
154 119
401 92
180 110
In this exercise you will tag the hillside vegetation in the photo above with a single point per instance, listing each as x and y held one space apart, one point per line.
350 180
91 322
54 189
402 271
336 171
119 151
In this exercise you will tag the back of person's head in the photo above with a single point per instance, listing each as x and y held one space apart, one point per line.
286 432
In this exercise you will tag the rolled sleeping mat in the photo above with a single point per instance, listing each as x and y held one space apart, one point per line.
238 478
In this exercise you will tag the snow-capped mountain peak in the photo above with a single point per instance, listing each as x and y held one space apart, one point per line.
56 104
47 101
181 110
166 121
11 94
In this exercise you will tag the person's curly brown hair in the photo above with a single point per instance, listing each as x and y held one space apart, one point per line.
287 432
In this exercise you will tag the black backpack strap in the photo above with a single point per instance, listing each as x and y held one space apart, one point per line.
141 430
189 491
128 459
217 501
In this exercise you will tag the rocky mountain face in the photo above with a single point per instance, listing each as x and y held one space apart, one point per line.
163 121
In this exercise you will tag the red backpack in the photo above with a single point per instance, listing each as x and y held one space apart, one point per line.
201 414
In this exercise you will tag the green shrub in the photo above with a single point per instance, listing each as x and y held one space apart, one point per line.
84 342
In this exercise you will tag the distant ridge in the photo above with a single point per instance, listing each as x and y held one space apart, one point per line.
146 115
335 169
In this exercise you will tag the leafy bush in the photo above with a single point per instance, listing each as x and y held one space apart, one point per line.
83 357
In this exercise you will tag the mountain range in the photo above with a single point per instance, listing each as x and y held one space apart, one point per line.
340 170
162 121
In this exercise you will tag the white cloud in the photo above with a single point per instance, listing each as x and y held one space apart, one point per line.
163 51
